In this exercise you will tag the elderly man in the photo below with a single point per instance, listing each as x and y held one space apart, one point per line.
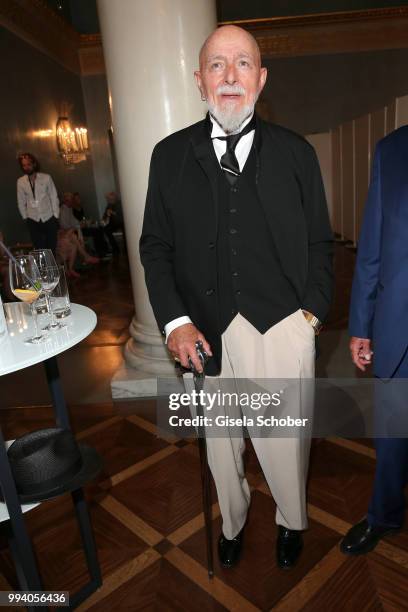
237 251
38 203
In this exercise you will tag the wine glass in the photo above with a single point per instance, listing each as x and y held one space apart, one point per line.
49 272
26 285
44 258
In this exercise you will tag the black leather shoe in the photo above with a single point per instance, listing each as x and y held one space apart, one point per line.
229 551
288 547
363 537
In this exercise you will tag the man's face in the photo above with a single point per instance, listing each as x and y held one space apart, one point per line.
27 165
230 76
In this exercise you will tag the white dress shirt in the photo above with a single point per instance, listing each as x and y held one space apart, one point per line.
220 146
40 203
243 146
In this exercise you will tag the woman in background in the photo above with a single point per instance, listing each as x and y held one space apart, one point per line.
68 247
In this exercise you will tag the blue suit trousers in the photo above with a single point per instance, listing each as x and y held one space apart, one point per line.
387 505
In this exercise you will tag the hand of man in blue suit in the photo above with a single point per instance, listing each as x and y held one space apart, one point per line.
361 353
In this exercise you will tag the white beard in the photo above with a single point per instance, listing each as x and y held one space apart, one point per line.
230 119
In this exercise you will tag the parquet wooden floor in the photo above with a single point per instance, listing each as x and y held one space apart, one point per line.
146 513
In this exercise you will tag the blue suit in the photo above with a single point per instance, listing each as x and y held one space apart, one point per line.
379 306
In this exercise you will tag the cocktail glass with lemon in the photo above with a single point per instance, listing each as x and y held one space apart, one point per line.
26 285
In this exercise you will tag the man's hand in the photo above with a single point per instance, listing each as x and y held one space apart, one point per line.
361 353
181 344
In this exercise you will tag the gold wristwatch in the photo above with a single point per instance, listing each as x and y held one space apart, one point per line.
314 321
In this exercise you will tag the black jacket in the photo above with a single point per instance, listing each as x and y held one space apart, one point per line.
181 220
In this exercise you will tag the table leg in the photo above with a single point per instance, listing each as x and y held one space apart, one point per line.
22 551
89 545
78 498
87 534
57 394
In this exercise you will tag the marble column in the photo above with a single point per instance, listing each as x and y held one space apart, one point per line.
151 51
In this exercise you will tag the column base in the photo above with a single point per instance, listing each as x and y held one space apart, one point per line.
128 383
145 350
146 361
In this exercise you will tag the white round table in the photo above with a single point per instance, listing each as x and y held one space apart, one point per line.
16 355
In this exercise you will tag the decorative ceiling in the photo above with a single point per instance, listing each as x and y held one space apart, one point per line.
83 15
235 10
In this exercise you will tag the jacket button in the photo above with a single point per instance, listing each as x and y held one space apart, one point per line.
209 292
233 210
235 273
233 231
238 292
211 245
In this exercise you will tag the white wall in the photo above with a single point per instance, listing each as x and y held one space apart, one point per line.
345 155
322 144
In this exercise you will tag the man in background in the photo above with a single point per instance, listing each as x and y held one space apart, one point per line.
38 203
77 207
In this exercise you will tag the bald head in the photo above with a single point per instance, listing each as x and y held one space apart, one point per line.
230 77
225 36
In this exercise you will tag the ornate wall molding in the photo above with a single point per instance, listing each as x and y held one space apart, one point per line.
91 57
90 40
325 33
36 23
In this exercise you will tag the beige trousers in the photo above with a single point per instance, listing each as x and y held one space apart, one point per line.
285 351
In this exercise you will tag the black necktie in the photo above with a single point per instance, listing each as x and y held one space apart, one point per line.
228 161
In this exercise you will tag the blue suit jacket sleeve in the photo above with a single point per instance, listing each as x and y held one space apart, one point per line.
366 274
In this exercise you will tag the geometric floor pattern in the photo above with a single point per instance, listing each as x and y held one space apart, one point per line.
146 504
146 513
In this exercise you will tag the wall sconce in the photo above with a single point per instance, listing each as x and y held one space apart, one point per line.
72 143
42 133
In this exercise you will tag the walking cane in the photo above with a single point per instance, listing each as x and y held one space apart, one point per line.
199 378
